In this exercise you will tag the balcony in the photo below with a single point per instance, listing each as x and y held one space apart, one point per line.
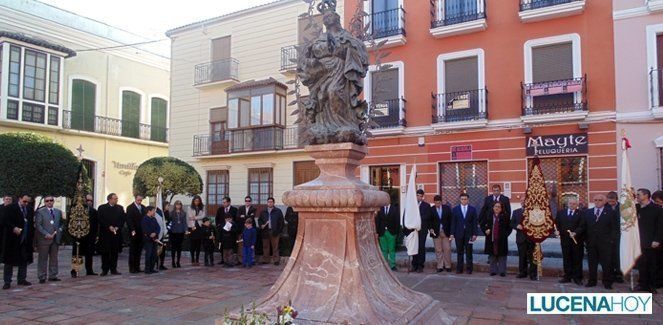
656 91
456 18
386 25
289 56
538 10
114 127
220 72
558 100
246 140
460 110
391 116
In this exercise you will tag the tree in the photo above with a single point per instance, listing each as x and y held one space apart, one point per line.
178 178
36 165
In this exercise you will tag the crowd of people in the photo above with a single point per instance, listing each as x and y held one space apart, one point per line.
151 230
593 231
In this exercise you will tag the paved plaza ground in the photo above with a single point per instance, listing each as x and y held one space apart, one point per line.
200 295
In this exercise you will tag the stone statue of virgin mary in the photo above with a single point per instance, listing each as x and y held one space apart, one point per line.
333 67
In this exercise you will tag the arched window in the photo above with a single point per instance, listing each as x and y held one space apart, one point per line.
159 120
130 114
83 99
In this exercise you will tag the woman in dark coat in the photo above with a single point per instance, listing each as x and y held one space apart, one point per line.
497 230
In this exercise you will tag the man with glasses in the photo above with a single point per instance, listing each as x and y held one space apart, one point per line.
48 223
599 229
88 242
650 224
244 212
19 233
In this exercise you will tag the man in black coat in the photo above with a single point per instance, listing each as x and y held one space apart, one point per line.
271 224
568 221
650 224
246 211
657 198
613 203
225 211
441 232
19 235
490 200
419 260
111 219
6 202
526 264
292 219
135 213
598 227
87 243
387 225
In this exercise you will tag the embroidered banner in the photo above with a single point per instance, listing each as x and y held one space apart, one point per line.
538 222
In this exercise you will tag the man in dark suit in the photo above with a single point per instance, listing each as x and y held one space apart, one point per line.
387 224
568 221
135 213
657 198
490 200
526 265
4 208
650 224
87 243
419 260
111 219
246 211
613 203
19 234
598 227
464 231
440 232
225 211
271 224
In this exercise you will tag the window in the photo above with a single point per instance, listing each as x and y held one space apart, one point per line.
468 177
14 70
566 177
53 113
12 110
233 112
387 179
83 101
244 113
158 125
1 47
255 110
33 113
260 184
385 16
284 110
268 109
34 83
217 188
130 114
385 90
259 110
54 78
90 172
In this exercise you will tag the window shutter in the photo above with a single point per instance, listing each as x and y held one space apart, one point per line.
384 85
221 48
461 75
552 62
659 51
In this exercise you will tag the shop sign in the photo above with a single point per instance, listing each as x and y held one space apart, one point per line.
461 152
552 145
126 169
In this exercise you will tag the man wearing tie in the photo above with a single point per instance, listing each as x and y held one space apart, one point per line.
135 213
387 224
598 226
526 265
49 232
246 211
568 221
419 260
19 233
441 221
464 222
650 224
271 224
111 219
490 200
224 212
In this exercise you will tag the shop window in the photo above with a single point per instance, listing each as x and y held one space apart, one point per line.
464 177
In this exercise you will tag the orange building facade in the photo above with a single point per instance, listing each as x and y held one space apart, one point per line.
473 88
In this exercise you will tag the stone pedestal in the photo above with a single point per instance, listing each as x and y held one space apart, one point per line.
336 272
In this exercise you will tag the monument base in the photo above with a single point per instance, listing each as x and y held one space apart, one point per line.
336 273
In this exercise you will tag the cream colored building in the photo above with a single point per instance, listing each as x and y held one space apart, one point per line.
230 117
74 79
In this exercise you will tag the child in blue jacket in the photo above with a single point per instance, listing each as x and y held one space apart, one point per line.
249 237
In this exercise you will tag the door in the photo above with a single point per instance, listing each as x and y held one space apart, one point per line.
130 114
659 65
387 179
83 97
304 172
219 138
384 93
552 63
457 11
384 18
221 58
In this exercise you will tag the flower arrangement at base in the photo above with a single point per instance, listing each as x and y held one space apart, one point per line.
286 314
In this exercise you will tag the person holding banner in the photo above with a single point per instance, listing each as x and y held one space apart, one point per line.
650 219
419 260
464 220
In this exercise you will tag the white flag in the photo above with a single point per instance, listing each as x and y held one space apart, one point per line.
160 216
629 245
411 217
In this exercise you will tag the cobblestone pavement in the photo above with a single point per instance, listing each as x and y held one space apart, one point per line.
200 295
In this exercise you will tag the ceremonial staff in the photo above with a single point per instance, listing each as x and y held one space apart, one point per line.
79 219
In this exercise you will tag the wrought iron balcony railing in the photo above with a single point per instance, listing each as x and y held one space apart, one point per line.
246 140
289 57
445 12
536 4
558 96
468 105
220 70
386 23
392 113
112 126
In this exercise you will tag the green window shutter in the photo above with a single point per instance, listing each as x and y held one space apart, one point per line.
82 105
130 114
158 127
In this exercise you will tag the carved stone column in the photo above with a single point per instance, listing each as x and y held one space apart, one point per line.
336 272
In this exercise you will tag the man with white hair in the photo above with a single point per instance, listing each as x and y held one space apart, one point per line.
568 221
598 226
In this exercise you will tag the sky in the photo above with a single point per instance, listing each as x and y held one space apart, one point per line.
152 18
